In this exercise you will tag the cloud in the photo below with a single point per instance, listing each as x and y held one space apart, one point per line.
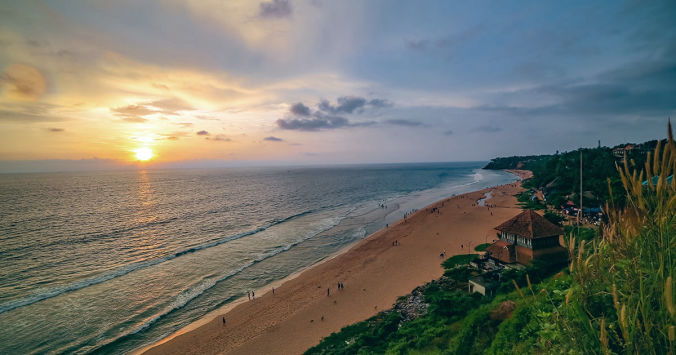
202 133
32 112
132 113
448 133
645 88
273 139
184 124
134 119
299 109
55 130
135 112
351 104
329 116
170 106
449 41
22 82
380 103
219 138
275 9
407 123
345 104
319 122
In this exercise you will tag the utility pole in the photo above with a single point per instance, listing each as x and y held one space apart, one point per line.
579 213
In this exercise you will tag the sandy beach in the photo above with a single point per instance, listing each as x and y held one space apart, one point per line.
374 272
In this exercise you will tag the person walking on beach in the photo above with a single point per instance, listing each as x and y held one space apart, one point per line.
328 291
223 320
253 295
248 294
273 291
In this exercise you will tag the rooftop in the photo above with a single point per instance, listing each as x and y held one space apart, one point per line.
529 224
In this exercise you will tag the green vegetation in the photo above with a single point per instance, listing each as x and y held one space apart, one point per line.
558 175
482 247
554 217
526 201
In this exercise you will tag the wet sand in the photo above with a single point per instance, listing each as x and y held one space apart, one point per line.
374 273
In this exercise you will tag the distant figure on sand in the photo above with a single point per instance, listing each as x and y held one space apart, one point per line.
248 294
273 291
223 320
328 291
253 295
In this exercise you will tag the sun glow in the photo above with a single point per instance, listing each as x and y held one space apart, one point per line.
143 153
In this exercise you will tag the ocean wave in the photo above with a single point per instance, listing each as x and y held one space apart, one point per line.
135 266
185 297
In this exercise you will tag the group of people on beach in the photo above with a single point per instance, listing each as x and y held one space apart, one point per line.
250 294
340 287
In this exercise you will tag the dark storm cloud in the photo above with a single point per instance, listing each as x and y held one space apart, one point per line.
351 104
379 103
299 109
273 139
329 116
345 104
319 122
639 88
202 133
407 123
275 9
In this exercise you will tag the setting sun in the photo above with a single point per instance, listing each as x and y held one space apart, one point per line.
143 154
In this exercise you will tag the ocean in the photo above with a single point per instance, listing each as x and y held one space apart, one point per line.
107 262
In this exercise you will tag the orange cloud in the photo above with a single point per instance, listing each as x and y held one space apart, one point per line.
22 82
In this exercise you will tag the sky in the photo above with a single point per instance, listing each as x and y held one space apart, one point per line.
89 84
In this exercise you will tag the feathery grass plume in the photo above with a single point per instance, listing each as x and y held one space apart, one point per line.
631 267
669 298
518 289
603 338
530 286
568 294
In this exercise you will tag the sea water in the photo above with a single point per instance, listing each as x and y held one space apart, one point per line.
107 262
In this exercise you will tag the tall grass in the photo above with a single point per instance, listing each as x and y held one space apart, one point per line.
622 299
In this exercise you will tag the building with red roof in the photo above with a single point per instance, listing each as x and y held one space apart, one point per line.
525 237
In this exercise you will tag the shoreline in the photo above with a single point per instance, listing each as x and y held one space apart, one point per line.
282 315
